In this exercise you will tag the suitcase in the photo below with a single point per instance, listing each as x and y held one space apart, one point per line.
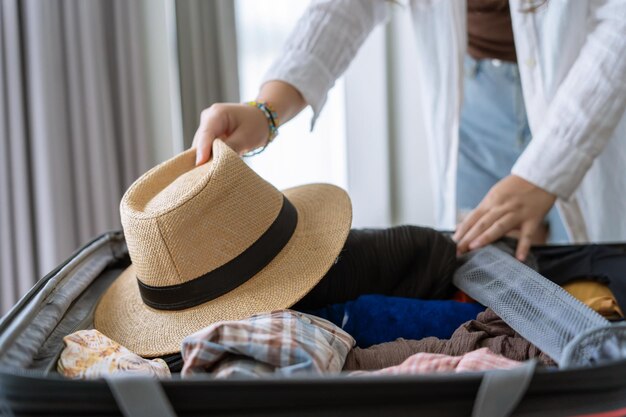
63 302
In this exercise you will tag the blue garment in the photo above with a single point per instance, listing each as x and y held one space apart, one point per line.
494 132
374 319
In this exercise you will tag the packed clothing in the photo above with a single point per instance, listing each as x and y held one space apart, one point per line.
89 354
373 319
387 306
283 342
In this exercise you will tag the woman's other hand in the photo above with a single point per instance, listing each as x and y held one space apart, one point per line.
512 204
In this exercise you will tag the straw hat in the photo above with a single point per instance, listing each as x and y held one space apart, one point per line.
216 242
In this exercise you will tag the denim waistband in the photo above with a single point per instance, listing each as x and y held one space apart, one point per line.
496 67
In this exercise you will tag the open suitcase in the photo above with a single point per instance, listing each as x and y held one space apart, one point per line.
64 301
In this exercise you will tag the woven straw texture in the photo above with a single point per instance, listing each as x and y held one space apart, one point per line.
222 207
182 221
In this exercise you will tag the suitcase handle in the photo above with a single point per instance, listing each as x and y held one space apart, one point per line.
501 390
140 396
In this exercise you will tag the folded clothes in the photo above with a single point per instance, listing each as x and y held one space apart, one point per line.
597 295
282 342
461 297
425 363
594 274
487 330
374 319
602 263
89 354
402 261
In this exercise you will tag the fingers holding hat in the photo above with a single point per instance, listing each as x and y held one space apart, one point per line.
212 125
241 127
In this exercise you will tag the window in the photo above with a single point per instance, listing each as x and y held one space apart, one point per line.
297 156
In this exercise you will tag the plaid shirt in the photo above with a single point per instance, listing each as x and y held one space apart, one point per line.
422 363
282 342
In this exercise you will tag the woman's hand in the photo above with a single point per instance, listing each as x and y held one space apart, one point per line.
240 126
243 127
512 204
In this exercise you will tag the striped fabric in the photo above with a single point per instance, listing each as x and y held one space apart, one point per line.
283 342
422 363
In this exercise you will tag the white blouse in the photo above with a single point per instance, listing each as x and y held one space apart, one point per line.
572 60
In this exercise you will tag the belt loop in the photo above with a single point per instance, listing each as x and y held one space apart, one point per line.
471 66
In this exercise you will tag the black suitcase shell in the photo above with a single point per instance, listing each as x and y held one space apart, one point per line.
40 391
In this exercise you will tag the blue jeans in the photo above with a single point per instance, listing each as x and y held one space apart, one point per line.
494 132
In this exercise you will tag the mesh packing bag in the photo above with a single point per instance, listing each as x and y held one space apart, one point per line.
540 310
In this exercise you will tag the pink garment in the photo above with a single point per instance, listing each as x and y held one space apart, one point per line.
423 363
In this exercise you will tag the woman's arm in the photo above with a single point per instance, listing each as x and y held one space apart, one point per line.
320 48
580 120
322 45
585 110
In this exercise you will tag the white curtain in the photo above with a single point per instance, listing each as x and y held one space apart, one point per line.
207 51
77 115
73 129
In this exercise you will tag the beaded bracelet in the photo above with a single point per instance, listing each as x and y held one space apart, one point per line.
272 123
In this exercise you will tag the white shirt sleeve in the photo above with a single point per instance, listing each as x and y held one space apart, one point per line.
322 45
585 110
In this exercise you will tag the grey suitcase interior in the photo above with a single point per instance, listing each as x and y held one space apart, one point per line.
63 301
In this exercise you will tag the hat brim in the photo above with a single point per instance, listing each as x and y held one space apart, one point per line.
324 219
